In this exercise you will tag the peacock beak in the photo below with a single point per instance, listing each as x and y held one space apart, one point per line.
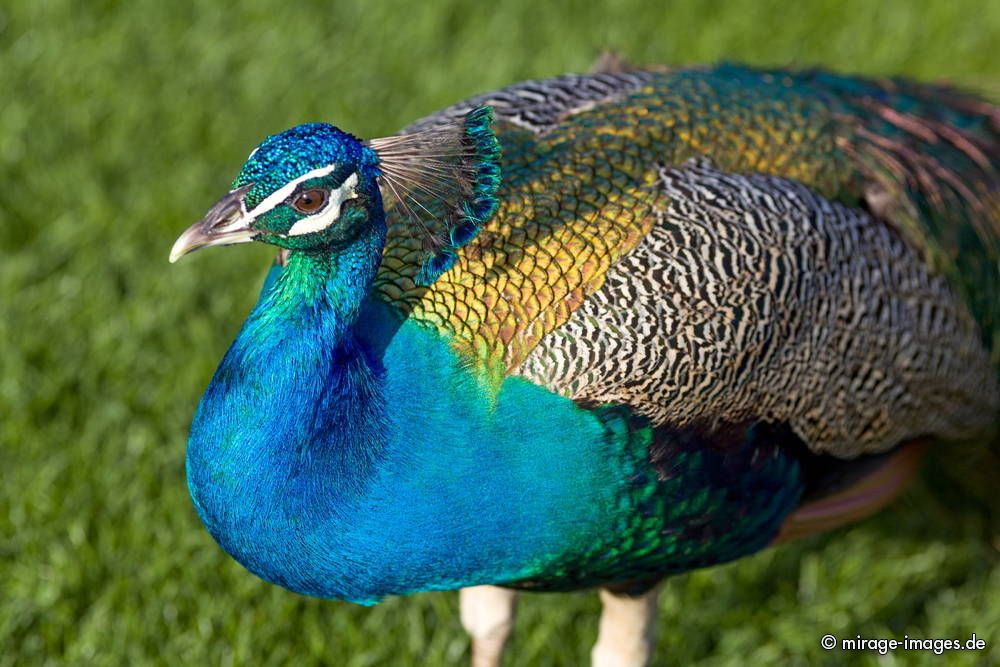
226 223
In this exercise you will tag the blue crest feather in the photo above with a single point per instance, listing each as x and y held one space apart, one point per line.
442 183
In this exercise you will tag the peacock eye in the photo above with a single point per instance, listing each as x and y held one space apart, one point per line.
310 201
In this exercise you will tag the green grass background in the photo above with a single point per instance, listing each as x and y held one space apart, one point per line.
121 122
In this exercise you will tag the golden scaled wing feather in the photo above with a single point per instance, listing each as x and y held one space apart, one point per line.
581 156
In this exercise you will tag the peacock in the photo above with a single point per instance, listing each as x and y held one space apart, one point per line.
595 330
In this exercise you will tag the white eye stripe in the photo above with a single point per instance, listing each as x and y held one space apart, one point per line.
330 213
282 193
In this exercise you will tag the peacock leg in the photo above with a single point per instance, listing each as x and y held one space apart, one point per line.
488 616
627 633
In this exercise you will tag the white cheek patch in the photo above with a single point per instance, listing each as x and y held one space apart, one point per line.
330 213
282 193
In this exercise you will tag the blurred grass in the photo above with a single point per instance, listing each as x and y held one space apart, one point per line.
121 122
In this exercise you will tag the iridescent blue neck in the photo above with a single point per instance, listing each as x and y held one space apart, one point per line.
344 453
294 409
321 290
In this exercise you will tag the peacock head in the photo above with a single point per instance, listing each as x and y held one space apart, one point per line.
317 188
310 187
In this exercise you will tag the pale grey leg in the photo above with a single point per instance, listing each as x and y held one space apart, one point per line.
488 616
627 634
